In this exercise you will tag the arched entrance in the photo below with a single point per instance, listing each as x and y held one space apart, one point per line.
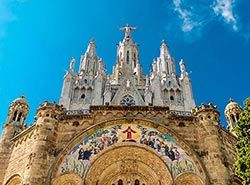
128 164
14 180
118 152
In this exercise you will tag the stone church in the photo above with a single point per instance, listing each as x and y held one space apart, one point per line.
123 128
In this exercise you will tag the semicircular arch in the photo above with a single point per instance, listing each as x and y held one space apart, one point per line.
14 180
191 159
132 158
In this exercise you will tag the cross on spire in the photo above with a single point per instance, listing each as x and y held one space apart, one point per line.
127 30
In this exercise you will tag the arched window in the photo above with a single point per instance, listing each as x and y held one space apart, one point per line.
82 96
120 182
19 116
127 57
181 124
233 118
76 92
14 116
127 101
137 182
134 59
172 95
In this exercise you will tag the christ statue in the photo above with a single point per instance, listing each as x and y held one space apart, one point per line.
127 30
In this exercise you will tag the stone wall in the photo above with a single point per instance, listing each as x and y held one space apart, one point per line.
36 149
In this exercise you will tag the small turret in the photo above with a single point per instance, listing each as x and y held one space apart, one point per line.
48 112
18 112
232 112
207 114
89 61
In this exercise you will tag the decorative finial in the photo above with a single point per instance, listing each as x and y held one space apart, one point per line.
231 100
163 42
72 64
92 40
127 30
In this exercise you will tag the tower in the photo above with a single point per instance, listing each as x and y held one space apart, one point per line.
18 112
84 88
127 60
208 126
15 123
169 89
232 112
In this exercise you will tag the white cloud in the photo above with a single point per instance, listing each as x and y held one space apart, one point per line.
188 23
6 15
224 8
192 17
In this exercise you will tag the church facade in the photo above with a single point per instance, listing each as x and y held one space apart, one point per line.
120 129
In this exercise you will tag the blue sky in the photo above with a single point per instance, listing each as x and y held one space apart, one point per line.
38 38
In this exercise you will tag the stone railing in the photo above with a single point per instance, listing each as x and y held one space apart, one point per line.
78 112
87 112
180 113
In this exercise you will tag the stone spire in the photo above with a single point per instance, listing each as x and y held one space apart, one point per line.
127 63
89 60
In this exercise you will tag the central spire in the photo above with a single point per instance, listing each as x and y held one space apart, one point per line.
127 30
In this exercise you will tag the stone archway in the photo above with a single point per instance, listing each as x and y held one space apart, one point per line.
128 162
14 180
68 179
80 154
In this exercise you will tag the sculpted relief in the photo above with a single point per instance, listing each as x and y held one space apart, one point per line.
80 157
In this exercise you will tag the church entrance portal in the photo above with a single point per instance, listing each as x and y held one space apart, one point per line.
128 164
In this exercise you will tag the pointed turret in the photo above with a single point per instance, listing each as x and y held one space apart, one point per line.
89 60
186 87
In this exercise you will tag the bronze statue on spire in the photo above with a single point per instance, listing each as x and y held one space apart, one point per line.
127 30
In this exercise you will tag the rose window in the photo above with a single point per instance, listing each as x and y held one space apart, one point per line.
127 101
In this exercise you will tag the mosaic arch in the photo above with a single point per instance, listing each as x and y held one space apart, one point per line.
80 157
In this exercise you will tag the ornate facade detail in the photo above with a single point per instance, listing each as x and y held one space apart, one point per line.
92 86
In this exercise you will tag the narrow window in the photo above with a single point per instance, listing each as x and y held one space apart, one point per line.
82 96
19 117
14 116
137 182
134 59
120 182
233 118
127 57
172 98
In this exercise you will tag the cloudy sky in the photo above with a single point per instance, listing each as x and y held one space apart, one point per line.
38 38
